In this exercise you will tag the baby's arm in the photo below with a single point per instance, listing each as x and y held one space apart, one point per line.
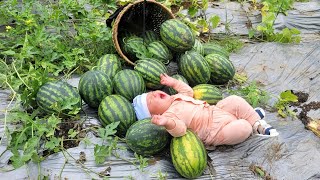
174 126
177 85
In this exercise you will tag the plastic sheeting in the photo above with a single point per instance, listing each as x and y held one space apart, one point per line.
294 154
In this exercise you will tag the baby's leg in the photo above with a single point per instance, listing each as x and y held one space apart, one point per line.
233 133
240 108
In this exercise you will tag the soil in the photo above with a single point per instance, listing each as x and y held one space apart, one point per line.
305 108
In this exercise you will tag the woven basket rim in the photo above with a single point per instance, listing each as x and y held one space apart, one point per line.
118 19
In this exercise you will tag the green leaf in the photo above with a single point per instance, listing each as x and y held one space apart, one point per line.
53 144
101 153
110 129
288 96
192 11
8 53
72 133
214 20
251 33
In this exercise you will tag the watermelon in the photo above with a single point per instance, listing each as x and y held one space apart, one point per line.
207 92
188 154
93 86
135 48
114 108
180 78
150 36
160 51
146 138
194 68
150 71
177 35
198 47
213 48
129 84
222 69
109 64
52 95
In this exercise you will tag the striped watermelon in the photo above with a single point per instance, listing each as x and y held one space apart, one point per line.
180 78
146 138
150 36
135 48
188 154
222 69
160 51
150 71
129 84
52 95
109 64
177 35
93 86
115 108
194 68
198 47
213 48
207 92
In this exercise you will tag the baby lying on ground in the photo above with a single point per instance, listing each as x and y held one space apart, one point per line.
231 121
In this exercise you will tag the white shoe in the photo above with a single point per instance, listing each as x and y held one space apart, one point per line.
267 130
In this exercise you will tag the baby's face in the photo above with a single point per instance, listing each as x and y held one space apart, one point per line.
158 102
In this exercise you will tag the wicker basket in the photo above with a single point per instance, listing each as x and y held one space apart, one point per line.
131 20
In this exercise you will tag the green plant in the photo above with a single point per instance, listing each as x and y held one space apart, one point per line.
284 100
269 12
252 93
101 152
140 162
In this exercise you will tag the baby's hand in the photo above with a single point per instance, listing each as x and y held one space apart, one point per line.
159 120
167 80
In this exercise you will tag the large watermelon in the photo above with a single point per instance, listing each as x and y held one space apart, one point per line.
129 84
188 154
93 86
207 92
180 78
160 51
109 64
150 71
222 69
115 108
213 48
194 68
52 95
146 138
177 35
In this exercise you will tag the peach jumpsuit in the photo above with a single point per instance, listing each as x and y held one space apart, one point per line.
228 122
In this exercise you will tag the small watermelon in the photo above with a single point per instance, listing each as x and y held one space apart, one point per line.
213 48
194 68
160 51
222 69
115 108
146 138
150 71
177 35
109 64
198 47
188 154
129 84
180 78
93 86
207 92
51 95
